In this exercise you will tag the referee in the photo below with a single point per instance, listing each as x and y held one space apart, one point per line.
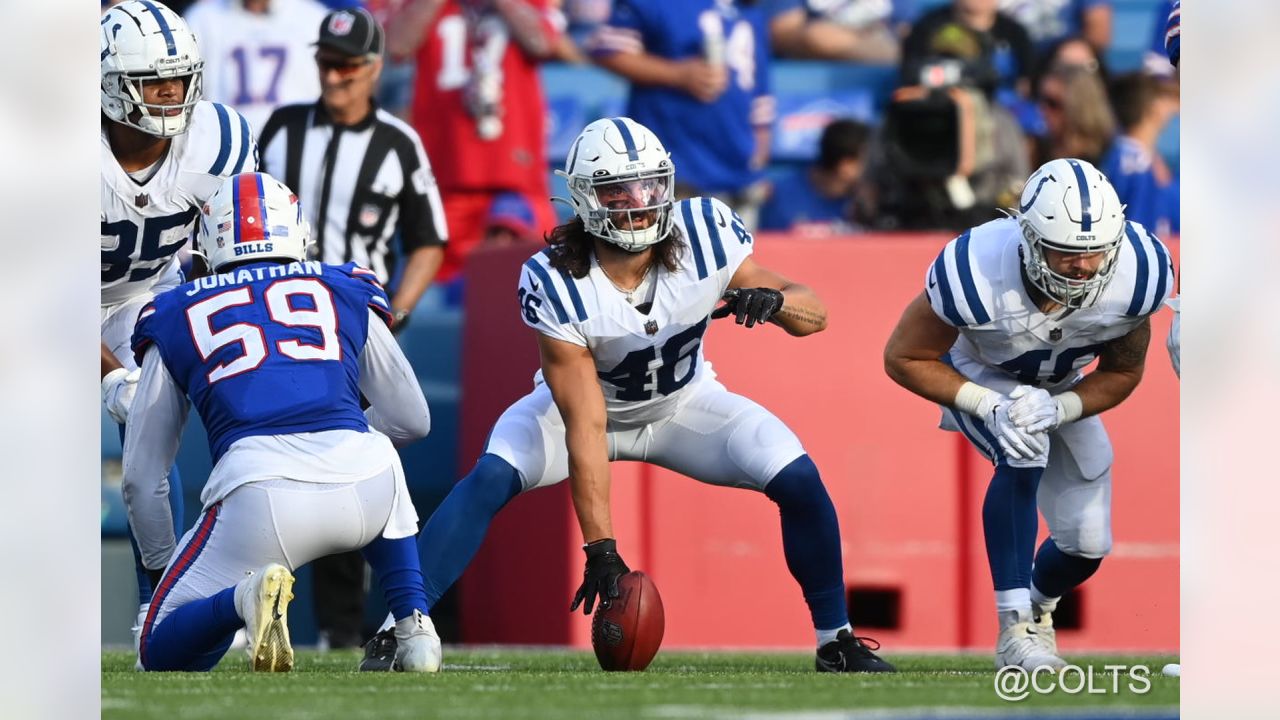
360 172
361 175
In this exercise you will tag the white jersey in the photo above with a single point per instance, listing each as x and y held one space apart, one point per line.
256 62
643 360
976 285
145 224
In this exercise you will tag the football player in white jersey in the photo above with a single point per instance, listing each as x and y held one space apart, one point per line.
620 302
1012 312
164 152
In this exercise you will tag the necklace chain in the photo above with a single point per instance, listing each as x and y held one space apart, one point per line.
629 293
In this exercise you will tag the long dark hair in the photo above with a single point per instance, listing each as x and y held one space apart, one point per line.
571 247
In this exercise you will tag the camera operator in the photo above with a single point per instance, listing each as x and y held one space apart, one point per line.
947 154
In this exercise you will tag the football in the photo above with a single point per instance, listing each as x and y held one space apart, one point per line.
626 635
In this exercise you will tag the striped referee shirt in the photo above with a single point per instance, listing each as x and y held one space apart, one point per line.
358 183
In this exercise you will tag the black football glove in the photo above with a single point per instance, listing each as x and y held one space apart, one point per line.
600 577
749 305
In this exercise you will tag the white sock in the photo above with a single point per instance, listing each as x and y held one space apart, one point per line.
1016 599
1045 603
826 636
389 623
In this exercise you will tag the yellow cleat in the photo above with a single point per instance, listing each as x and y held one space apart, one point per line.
262 599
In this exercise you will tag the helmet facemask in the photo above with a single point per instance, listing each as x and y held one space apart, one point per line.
1069 292
152 118
631 211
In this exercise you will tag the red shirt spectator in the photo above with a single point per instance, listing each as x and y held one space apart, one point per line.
478 106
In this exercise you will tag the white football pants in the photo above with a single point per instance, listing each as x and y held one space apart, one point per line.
714 436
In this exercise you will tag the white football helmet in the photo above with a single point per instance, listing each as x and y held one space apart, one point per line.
621 177
1069 206
143 40
252 216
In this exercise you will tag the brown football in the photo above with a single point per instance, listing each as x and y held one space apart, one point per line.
626 635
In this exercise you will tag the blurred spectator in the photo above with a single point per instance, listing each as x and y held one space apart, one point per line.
1012 55
1143 105
699 72
478 105
818 200
1077 118
865 31
363 179
582 18
257 53
1049 21
947 156
510 221
395 88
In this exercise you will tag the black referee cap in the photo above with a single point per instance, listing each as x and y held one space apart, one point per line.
352 32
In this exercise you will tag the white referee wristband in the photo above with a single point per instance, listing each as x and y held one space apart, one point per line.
1070 407
975 399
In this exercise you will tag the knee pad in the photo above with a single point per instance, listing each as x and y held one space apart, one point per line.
798 482
1089 536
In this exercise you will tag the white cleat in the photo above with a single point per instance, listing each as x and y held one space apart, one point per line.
262 599
1043 622
137 635
417 645
1020 645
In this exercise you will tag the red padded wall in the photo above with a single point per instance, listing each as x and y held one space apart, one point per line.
907 494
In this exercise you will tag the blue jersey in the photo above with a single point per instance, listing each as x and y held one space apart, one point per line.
1131 169
267 349
710 143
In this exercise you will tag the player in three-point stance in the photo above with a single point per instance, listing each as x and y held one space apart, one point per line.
164 152
1012 312
620 302
274 353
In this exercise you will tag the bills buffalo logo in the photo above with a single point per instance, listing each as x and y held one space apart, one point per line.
341 23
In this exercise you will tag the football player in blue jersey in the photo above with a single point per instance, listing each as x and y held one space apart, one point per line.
620 302
164 152
274 353
1011 314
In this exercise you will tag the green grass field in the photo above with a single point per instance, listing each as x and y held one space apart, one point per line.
524 683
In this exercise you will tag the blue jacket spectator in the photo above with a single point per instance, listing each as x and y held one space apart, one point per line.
816 200
1144 183
699 72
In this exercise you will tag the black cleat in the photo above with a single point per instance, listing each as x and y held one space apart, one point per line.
379 652
848 654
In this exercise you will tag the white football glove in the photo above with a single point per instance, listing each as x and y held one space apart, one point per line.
1016 442
118 388
1174 341
1034 410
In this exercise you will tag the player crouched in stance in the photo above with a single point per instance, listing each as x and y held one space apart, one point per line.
1012 312
620 301
274 353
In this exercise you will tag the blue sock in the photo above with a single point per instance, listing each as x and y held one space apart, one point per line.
1056 572
456 529
194 637
811 540
395 564
1009 522
175 505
